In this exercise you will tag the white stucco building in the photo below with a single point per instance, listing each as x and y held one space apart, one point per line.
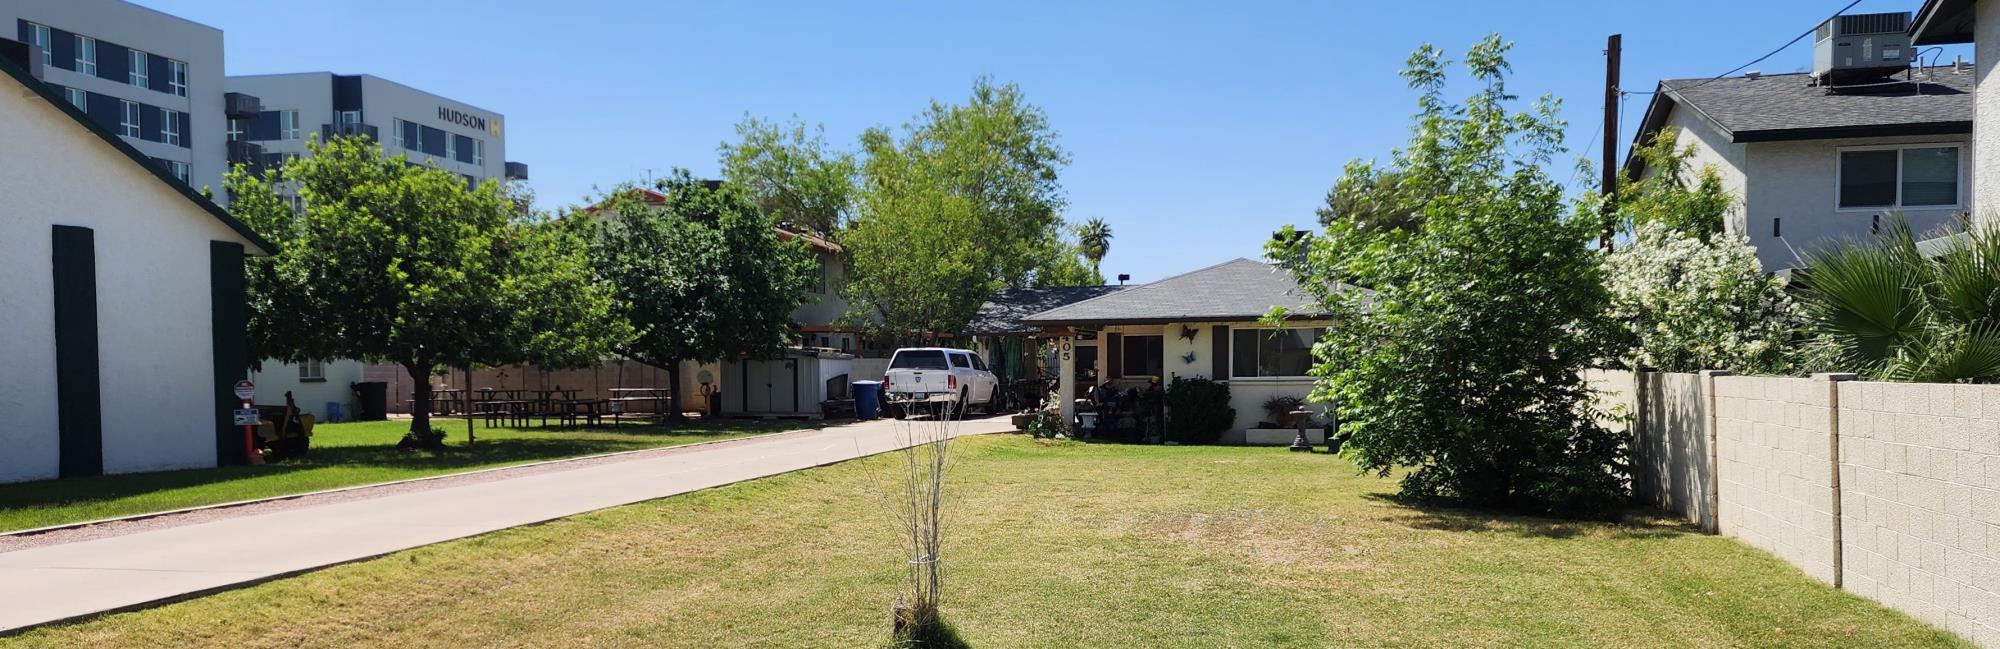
124 305
1810 165
1201 324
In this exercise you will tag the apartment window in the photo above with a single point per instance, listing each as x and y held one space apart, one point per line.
312 371
128 123
137 74
86 55
78 98
479 152
1272 352
38 35
350 118
1895 177
819 285
397 132
170 127
288 125
179 169
235 131
177 77
450 147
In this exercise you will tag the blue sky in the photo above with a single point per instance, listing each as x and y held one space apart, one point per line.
1195 128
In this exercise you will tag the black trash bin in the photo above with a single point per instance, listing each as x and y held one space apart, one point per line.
372 399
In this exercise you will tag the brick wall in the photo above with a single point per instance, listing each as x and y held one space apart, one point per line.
1888 490
1920 493
1774 468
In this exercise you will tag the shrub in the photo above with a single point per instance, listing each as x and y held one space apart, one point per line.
1198 410
1684 304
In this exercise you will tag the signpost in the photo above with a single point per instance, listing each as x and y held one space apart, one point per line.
247 418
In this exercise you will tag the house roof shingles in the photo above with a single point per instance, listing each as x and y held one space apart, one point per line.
1784 106
1003 313
1233 291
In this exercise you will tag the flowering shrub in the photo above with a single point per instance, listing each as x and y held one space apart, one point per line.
1688 305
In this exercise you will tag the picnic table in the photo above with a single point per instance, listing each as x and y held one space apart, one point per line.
659 397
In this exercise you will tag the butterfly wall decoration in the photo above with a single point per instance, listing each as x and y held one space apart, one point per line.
1188 358
1189 332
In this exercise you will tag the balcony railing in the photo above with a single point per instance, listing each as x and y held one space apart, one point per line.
329 131
236 105
517 170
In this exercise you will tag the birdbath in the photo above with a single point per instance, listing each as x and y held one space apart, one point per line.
1302 417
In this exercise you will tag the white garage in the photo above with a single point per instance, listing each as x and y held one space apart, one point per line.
123 309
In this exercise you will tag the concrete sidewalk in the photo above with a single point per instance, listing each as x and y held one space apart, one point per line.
68 581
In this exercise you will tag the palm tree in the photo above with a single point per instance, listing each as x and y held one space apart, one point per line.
1095 238
1893 312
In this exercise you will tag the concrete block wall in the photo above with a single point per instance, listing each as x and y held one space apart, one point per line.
1887 490
1774 473
1920 490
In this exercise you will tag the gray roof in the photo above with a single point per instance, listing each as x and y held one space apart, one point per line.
1236 290
1002 314
1781 107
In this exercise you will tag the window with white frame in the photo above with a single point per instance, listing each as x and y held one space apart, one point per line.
288 125
1255 353
179 169
1920 176
140 71
38 35
398 133
177 77
170 127
450 147
235 131
479 152
312 371
77 97
86 55
128 122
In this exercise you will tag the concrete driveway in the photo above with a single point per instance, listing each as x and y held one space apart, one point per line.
72 580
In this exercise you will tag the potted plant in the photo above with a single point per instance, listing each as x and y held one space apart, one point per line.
1280 409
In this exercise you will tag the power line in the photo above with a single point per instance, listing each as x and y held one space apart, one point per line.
1795 40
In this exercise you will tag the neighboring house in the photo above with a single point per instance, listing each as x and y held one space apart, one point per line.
820 317
1946 22
124 318
1203 324
322 388
1810 166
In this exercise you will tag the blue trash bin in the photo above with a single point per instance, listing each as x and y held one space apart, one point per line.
332 411
867 399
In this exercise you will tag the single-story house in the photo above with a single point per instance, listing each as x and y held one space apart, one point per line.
124 301
1812 164
1205 324
1010 345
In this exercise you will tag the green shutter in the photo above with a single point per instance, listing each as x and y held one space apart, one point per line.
79 410
227 316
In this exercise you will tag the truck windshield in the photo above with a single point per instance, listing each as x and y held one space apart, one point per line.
918 360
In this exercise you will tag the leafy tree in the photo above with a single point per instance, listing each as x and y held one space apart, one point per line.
1690 201
397 263
965 202
1067 265
702 277
1893 313
1685 305
1373 200
1095 239
1462 363
790 171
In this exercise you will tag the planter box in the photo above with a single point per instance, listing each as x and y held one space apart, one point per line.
1281 436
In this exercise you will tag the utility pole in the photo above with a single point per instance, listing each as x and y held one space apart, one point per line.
1612 45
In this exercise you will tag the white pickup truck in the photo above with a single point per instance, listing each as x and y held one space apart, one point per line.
939 375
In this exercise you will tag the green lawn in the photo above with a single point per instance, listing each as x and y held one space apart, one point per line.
1057 545
343 455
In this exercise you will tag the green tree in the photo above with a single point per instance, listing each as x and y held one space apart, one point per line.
1067 264
1892 313
702 277
1683 199
1373 200
390 262
790 171
1094 237
1461 365
965 202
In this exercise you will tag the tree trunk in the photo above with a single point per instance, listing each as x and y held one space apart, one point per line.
674 383
421 436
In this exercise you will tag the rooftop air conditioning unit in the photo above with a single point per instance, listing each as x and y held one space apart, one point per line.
1862 47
